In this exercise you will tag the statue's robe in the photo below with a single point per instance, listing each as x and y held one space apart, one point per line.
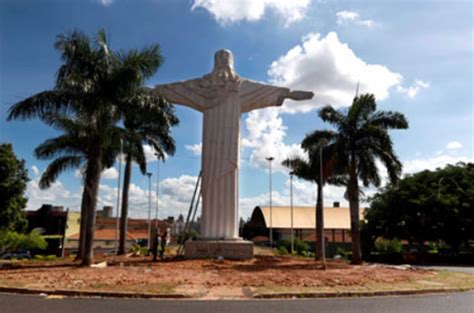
222 103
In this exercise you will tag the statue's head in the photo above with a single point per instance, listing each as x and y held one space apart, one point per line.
224 66
223 58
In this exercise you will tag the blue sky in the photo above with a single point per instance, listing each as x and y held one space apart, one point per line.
415 56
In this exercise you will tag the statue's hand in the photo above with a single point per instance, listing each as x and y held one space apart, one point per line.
300 95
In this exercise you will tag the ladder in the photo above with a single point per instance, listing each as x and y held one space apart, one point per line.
191 213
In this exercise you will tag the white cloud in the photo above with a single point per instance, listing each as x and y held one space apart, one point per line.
351 17
57 194
432 163
326 66
105 3
110 173
35 170
266 134
231 11
413 90
150 154
330 69
196 149
453 145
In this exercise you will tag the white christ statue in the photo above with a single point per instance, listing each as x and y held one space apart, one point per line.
222 96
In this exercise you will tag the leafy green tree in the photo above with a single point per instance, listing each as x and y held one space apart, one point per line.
13 179
360 138
11 241
429 206
151 125
91 85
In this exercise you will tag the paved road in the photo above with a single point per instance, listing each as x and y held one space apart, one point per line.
461 269
459 303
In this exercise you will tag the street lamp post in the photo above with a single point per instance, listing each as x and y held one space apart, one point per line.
149 211
118 198
270 159
157 190
291 204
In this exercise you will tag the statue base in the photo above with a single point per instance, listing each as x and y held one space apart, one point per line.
212 249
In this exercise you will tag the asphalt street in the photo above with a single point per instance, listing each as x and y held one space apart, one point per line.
460 269
456 302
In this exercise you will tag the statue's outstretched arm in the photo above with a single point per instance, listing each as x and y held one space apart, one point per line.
184 93
255 95
300 95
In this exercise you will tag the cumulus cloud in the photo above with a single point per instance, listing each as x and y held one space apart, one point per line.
150 154
195 149
35 170
110 173
432 163
453 145
57 194
332 70
413 90
351 17
231 11
105 3
266 134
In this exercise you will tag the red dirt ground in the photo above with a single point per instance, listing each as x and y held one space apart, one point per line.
198 277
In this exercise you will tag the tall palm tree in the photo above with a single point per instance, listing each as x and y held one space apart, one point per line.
91 84
70 151
361 137
310 170
151 125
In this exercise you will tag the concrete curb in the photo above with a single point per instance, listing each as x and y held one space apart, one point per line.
289 295
350 294
93 293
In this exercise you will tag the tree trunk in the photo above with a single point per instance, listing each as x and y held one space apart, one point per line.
353 193
320 242
124 213
82 229
91 188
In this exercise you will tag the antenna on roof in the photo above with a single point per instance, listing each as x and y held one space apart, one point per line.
357 90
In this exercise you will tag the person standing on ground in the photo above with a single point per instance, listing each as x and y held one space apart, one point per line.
164 236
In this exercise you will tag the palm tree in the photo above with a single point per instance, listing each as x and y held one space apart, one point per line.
70 151
91 85
310 170
151 125
361 137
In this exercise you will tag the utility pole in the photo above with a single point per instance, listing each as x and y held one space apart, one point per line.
157 189
291 205
149 211
270 159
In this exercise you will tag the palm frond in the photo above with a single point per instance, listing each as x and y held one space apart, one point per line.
56 167
332 116
389 119
64 144
39 104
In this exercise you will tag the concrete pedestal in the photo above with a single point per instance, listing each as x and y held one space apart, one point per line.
228 249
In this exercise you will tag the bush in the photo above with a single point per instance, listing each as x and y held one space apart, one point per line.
299 245
11 241
282 250
386 246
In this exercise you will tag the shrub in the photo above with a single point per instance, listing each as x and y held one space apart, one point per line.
282 250
386 246
11 241
299 245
